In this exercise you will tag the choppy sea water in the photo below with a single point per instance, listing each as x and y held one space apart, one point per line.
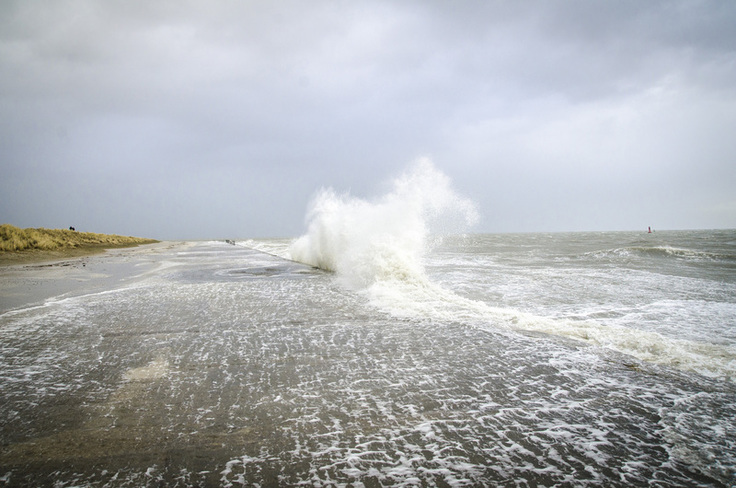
589 359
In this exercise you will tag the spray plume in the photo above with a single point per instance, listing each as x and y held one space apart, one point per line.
386 238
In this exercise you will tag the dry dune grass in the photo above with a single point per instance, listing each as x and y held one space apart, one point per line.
14 239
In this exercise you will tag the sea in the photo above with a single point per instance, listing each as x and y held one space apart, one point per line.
376 351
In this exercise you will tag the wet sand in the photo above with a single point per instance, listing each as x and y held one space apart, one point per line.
28 278
37 256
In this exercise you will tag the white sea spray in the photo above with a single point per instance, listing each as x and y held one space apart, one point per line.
368 241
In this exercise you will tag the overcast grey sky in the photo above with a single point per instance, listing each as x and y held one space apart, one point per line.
217 119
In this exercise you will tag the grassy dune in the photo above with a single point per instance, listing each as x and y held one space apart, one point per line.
51 243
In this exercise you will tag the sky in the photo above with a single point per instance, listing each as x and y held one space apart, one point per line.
223 118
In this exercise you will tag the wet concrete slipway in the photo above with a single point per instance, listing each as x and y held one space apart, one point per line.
207 364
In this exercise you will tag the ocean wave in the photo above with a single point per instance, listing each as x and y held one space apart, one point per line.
365 241
424 300
659 252
377 248
274 247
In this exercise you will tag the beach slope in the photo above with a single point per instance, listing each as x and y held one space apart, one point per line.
27 245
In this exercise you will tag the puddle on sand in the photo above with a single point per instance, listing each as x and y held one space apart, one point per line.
156 369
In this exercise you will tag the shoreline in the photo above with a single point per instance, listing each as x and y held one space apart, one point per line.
36 277
31 256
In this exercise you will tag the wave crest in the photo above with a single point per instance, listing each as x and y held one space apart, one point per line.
365 241
662 252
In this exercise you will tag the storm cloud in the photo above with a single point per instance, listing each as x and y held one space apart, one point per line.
222 118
